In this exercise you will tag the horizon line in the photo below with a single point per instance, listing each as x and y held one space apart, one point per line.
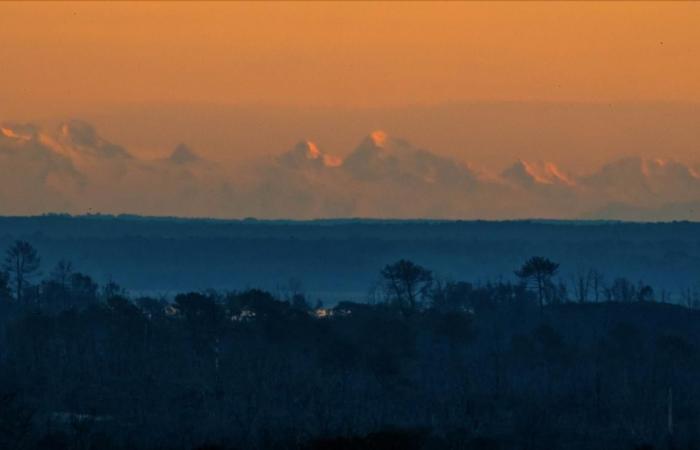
536 220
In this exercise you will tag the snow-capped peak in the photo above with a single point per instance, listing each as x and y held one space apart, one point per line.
83 138
531 173
307 153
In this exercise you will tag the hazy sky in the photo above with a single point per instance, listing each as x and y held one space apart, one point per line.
577 84
356 54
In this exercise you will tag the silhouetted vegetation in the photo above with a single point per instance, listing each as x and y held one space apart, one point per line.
338 259
530 363
539 271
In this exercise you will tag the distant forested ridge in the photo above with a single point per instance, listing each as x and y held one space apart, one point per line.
337 260
531 362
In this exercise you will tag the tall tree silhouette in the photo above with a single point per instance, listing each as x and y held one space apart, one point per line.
405 282
21 264
538 271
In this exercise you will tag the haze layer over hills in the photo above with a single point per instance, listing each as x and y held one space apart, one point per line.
340 259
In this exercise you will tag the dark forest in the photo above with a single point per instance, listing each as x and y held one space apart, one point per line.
423 363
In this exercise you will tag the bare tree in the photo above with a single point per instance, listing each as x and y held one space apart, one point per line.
597 284
690 297
62 272
21 264
581 283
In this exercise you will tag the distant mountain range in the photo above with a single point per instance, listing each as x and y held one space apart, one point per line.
73 169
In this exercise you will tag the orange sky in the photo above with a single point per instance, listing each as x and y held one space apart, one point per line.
576 84
64 56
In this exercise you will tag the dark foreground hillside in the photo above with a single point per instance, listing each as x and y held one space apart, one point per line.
473 368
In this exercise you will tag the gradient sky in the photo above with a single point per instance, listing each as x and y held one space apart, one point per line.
59 55
578 85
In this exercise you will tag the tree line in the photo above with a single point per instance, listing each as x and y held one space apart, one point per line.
404 284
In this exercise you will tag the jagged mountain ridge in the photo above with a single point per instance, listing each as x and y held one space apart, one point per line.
74 169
